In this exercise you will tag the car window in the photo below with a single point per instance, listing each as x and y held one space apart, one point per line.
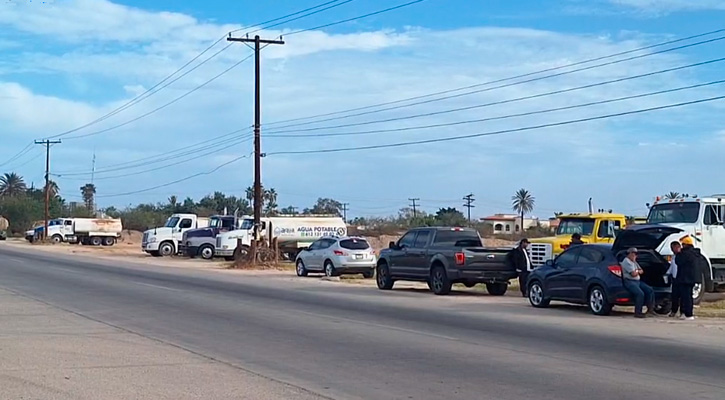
185 223
354 244
712 215
407 240
450 238
606 229
69 222
568 257
326 243
422 239
589 256
315 245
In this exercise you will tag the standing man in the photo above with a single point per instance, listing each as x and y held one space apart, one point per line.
688 261
576 239
518 258
642 292
675 297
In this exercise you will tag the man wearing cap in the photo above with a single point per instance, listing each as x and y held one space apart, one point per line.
642 292
688 261
675 297
518 258
576 239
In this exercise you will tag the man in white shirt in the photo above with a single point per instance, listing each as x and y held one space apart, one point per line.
675 296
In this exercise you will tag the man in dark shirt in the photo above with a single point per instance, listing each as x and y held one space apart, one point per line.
518 258
689 261
576 239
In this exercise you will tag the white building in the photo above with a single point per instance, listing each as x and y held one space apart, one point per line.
507 224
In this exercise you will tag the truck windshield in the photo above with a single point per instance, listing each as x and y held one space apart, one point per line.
674 213
215 222
172 222
221 223
569 226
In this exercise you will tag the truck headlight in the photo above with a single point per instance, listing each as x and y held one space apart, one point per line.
152 240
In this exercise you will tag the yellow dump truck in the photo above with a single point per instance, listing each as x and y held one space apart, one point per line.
593 228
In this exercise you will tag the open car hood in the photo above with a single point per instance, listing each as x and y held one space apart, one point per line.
645 237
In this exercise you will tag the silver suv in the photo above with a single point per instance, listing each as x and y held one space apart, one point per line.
336 256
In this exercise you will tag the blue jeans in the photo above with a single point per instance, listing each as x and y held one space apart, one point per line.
642 293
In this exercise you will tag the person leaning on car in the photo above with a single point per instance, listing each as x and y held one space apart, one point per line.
689 261
642 292
675 297
518 258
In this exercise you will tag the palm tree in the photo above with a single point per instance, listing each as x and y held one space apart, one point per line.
522 203
53 189
12 185
673 195
89 193
270 200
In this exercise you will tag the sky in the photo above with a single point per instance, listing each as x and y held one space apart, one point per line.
74 70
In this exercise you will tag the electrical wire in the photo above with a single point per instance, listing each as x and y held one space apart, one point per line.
165 105
478 91
508 116
19 154
301 16
176 181
587 61
500 132
286 16
28 161
517 99
355 18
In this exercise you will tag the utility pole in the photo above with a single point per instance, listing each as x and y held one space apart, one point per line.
47 144
344 211
257 135
414 206
469 204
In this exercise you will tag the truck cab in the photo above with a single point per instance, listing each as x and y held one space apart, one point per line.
593 228
704 220
164 241
202 241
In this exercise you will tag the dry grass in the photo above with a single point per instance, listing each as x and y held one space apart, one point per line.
265 266
714 309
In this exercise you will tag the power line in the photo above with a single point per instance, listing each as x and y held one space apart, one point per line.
414 206
354 18
587 61
302 16
47 143
19 154
527 128
165 105
486 90
469 204
283 17
508 116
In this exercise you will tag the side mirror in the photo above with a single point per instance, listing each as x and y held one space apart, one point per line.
549 263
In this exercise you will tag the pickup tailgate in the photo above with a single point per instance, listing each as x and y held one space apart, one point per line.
485 265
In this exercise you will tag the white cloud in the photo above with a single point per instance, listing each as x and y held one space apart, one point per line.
671 5
320 73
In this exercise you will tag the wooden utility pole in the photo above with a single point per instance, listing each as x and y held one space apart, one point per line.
414 206
344 211
257 136
469 204
47 144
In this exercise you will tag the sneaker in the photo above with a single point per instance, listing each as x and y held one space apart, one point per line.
672 315
689 318
640 315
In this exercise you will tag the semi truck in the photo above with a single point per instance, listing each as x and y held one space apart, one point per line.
4 225
293 233
165 241
202 241
87 231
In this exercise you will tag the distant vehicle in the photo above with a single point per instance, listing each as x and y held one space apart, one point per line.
591 274
702 218
337 256
441 257
165 241
293 233
4 225
593 228
201 242
87 231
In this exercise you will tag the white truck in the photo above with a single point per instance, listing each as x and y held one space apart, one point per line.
293 233
87 231
164 241
702 218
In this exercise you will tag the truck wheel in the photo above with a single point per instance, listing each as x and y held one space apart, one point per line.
598 303
241 253
536 295
384 280
96 241
206 252
698 291
166 249
439 281
109 241
497 289
56 239
330 269
300 268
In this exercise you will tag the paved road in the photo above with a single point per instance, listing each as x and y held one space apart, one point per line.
348 342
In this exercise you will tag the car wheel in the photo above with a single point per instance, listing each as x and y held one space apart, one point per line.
166 249
598 303
368 274
109 241
439 281
300 268
56 239
664 307
698 291
469 284
330 269
536 295
206 252
96 241
497 289
383 278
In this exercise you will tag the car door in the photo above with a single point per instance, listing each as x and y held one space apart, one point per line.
713 232
556 281
399 261
574 282
418 254
312 256
184 225
68 228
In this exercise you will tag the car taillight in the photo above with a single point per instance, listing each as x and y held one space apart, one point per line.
339 253
460 258
564 246
616 270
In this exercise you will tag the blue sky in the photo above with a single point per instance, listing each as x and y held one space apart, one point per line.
66 63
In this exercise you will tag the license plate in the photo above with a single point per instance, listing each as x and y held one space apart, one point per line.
358 256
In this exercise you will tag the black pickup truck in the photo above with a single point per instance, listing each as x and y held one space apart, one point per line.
442 256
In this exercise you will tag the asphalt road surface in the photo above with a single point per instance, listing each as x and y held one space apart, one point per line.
351 342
